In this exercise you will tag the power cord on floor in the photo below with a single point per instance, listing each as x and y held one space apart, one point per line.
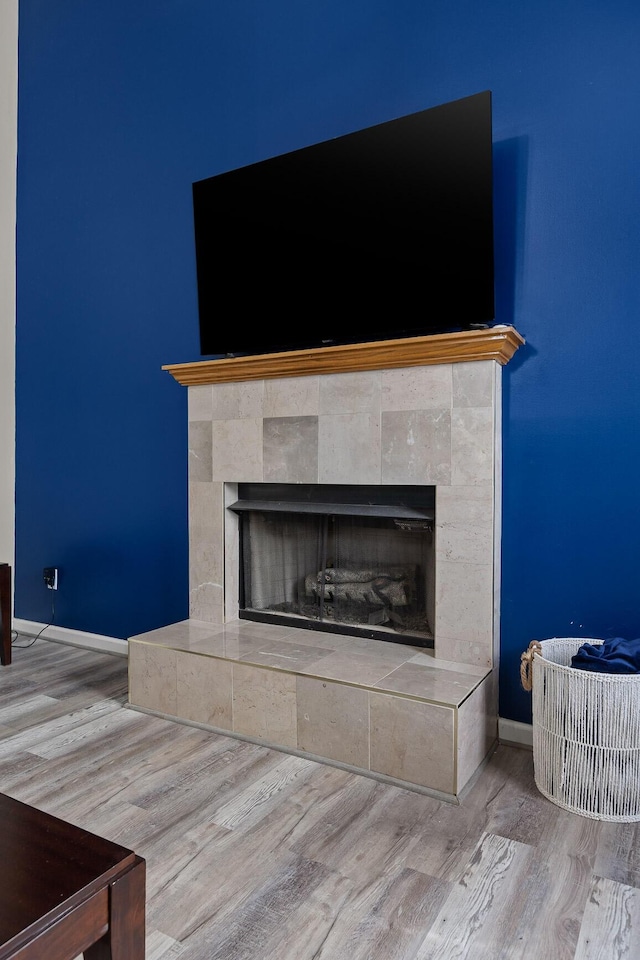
25 646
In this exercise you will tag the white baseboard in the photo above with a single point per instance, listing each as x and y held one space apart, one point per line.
511 731
75 638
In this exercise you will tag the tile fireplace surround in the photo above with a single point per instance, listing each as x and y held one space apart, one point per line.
425 410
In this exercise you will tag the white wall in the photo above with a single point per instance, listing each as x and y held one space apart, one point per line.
8 151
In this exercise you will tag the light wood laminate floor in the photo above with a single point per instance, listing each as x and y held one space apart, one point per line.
253 854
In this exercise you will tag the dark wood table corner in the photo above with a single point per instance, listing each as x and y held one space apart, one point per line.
67 892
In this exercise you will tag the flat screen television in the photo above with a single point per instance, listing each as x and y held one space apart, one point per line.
379 234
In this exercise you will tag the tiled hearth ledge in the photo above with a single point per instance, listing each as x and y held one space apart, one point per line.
426 720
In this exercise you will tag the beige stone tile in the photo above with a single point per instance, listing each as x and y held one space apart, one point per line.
349 448
206 554
390 651
182 634
290 450
412 741
416 446
464 524
477 728
333 721
203 638
212 645
465 652
314 638
264 704
464 602
152 677
200 444
291 396
237 450
286 656
204 689
255 630
238 646
238 401
350 393
361 668
417 388
206 565
474 383
441 666
199 402
472 454
443 686
205 604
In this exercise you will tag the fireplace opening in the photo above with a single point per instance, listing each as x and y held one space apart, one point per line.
356 560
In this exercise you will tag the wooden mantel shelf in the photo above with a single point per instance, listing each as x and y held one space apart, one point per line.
495 343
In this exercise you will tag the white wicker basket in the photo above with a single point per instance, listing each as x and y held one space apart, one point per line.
586 734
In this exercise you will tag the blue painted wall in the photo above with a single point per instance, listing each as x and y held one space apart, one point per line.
123 105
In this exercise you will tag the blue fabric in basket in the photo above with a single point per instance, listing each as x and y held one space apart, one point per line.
615 655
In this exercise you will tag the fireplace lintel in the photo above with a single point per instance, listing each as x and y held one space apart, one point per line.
405 502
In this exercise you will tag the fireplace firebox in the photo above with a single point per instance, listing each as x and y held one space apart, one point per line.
350 559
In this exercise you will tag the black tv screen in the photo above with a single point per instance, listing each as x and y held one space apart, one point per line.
379 234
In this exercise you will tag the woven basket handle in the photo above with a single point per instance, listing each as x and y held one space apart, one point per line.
526 664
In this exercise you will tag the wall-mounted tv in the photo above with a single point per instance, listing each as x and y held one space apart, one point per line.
379 234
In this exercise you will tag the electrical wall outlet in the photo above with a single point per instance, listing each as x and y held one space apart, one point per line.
50 577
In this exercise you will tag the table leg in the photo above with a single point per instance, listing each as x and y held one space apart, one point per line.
125 939
5 614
